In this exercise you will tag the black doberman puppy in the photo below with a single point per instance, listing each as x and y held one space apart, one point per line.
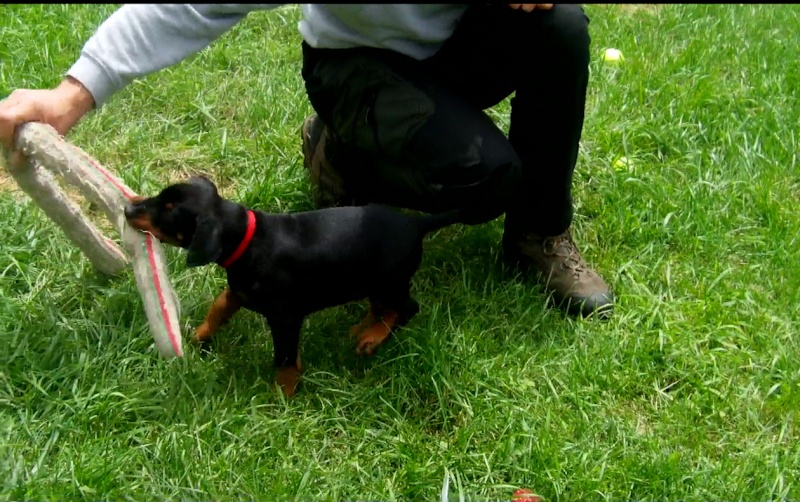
287 266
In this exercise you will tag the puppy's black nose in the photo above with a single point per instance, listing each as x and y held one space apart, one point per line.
130 210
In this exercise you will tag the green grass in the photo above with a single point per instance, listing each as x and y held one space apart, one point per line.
690 392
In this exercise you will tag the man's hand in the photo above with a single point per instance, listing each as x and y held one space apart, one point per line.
60 108
528 7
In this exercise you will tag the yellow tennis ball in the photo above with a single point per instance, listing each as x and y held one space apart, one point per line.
622 164
613 56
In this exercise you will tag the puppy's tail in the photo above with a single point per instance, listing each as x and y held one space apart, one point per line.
432 222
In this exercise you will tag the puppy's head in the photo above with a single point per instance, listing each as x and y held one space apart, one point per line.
185 215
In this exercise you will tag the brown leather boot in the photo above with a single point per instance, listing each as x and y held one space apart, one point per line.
326 182
576 288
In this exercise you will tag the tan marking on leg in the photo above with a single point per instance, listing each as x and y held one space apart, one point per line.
287 379
366 322
221 311
376 334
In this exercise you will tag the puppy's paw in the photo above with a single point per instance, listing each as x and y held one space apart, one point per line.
372 338
365 323
201 338
202 334
356 329
287 379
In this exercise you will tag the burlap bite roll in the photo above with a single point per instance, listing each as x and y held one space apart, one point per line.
45 148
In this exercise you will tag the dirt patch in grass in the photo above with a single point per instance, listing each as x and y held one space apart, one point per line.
8 185
640 8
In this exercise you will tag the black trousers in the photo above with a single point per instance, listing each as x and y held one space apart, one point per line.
414 134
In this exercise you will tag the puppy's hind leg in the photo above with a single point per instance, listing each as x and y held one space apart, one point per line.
223 308
286 340
366 322
389 310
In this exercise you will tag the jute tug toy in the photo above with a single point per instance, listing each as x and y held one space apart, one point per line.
48 154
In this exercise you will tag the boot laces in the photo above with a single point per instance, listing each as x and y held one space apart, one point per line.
564 247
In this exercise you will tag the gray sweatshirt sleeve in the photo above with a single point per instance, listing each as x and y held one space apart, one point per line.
139 39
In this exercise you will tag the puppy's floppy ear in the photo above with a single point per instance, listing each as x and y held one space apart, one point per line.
206 245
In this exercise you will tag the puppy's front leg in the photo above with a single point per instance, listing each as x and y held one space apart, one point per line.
286 340
226 304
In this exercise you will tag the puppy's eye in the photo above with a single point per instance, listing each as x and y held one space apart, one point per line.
168 206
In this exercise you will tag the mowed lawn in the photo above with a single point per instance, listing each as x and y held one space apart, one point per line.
690 392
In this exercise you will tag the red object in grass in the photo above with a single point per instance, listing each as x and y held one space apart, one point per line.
525 495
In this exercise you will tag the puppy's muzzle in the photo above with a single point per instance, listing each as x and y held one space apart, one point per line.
134 207
132 211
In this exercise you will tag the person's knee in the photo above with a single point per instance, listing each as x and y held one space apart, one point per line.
500 192
497 191
482 177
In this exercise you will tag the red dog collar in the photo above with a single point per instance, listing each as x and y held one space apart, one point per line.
248 236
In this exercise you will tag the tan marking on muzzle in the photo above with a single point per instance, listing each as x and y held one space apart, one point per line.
145 224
